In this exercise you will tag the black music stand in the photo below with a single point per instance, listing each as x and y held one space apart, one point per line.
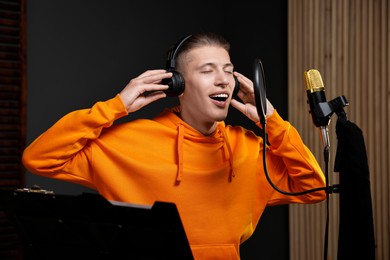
88 226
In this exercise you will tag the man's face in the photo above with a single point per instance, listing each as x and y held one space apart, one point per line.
209 84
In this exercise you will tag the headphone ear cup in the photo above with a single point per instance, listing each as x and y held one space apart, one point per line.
236 86
176 84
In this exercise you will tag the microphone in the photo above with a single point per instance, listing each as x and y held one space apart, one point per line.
319 109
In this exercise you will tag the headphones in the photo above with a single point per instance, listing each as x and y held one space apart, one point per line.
176 83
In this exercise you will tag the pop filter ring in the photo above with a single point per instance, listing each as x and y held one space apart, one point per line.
260 90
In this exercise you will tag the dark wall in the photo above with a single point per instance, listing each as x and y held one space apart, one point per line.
80 52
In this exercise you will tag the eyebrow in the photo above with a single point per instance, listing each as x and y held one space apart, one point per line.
227 65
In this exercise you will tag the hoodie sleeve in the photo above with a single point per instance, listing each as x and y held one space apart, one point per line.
66 140
291 165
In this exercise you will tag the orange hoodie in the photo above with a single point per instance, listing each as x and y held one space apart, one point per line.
217 182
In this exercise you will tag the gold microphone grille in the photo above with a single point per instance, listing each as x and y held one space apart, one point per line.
313 81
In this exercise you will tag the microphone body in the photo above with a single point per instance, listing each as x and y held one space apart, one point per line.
319 108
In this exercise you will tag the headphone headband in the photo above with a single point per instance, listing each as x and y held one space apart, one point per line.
171 62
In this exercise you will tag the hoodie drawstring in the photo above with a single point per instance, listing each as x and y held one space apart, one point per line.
180 141
226 145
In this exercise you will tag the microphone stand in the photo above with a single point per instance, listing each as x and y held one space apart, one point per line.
325 137
329 108
329 189
323 112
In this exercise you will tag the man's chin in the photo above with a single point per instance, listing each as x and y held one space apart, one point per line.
221 116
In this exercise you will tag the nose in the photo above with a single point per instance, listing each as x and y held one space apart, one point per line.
222 79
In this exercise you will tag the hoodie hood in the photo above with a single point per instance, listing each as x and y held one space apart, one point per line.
184 131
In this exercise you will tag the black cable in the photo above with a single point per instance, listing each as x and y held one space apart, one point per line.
261 107
259 88
328 189
326 156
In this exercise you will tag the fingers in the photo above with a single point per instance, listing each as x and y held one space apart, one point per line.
151 73
270 108
246 85
152 77
144 89
244 81
248 110
152 97
246 92
238 105
147 81
247 96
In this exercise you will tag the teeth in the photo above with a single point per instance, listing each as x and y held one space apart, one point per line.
220 96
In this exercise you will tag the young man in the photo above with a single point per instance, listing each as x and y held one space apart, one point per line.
187 155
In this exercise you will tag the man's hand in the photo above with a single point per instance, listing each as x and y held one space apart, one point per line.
144 89
247 95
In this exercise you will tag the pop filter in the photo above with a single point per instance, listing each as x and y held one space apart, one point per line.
261 107
259 89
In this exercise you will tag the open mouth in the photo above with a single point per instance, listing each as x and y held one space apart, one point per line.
220 97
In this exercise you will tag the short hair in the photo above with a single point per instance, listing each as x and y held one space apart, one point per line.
200 39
